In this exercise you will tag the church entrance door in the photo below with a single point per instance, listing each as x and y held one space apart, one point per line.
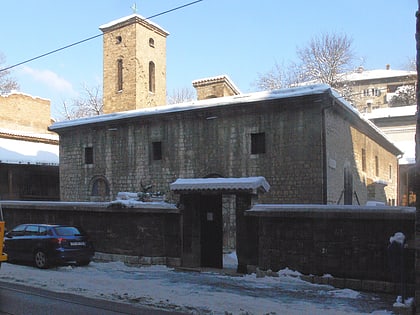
211 231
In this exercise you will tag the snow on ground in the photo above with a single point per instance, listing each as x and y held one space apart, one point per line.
199 293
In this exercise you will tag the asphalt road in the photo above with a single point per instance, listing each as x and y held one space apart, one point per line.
20 299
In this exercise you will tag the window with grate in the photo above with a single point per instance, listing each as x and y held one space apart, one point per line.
88 155
258 143
157 150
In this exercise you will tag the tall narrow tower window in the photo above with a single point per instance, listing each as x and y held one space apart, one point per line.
151 42
151 77
119 74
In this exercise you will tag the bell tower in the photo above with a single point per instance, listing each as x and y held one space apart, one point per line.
134 64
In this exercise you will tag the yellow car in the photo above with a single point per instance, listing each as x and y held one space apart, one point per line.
3 256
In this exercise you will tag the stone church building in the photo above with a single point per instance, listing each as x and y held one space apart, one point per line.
307 142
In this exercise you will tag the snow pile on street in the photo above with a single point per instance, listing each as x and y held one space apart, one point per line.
199 293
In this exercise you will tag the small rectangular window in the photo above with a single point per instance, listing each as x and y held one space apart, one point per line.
376 166
390 171
88 155
157 151
363 160
258 143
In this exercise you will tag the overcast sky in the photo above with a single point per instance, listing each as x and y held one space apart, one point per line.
240 38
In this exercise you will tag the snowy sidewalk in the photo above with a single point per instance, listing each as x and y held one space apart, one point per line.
200 293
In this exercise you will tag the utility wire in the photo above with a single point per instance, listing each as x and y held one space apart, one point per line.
93 37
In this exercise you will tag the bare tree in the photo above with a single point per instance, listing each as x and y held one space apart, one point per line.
410 64
181 96
89 104
272 80
7 84
326 58
323 60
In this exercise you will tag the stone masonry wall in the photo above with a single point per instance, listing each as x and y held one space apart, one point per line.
131 45
24 112
347 242
367 184
149 234
194 146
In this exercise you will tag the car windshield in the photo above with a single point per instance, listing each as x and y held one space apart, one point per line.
67 231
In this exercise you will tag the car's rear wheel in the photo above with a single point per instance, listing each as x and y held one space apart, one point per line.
40 259
83 262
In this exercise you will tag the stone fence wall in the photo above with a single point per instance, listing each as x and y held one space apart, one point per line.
346 242
150 234
350 243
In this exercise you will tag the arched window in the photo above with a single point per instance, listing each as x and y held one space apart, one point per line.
151 42
100 187
151 77
119 75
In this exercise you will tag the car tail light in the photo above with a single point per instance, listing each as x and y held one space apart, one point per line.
59 241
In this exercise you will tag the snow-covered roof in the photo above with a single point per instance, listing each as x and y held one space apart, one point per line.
391 112
24 134
193 105
315 210
242 99
140 18
14 151
253 184
219 78
377 74
15 92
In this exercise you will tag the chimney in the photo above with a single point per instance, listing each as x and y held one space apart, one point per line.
214 87
387 66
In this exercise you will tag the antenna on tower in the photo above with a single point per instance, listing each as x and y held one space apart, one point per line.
134 7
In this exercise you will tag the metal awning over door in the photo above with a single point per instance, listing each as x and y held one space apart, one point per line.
241 184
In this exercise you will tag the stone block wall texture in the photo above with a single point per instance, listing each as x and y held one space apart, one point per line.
345 243
368 185
194 146
212 89
126 231
25 113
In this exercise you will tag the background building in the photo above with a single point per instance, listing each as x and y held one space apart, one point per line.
373 89
399 124
29 153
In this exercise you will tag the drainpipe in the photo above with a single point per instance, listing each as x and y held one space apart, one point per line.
398 198
324 154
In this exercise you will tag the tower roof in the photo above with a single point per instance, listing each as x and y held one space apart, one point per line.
130 19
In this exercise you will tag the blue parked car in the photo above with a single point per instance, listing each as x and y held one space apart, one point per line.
46 245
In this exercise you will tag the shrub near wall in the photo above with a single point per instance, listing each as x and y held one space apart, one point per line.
149 234
343 241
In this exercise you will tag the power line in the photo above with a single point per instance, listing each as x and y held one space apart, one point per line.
93 37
